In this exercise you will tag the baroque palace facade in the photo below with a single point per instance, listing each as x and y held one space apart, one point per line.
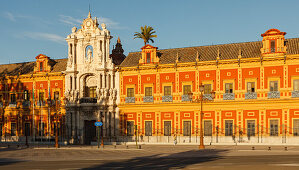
256 87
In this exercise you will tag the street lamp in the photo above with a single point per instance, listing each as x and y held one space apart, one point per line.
190 94
49 117
56 129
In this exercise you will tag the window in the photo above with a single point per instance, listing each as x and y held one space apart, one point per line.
167 90
27 129
26 95
0 130
13 129
273 127
130 92
148 91
1 97
207 88
71 82
56 95
296 85
41 66
186 89
41 131
250 128
296 127
228 127
91 92
272 46
273 85
250 87
13 98
167 128
187 128
228 87
130 128
148 128
207 128
148 57
41 96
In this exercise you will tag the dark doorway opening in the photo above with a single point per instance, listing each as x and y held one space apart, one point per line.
89 131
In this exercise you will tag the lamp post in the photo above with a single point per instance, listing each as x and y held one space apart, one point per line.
201 89
56 129
49 117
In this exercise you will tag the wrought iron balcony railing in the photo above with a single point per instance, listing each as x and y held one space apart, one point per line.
88 100
273 94
207 96
185 98
130 99
148 99
166 98
12 104
26 103
229 96
295 94
40 103
251 95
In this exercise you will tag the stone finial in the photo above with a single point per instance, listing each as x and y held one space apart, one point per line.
218 54
89 15
240 53
118 40
197 56
74 29
177 57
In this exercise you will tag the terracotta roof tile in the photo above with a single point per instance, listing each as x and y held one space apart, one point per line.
28 67
208 53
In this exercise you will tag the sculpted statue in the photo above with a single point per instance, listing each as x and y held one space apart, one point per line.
89 54
106 32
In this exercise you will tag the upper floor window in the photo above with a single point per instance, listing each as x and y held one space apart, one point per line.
41 66
207 88
13 98
148 91
91 92
56 95
273 85
272 44
1 97
26 95
186 89
296 85
41 96
130 92
228 87
148 57
250 87
167 90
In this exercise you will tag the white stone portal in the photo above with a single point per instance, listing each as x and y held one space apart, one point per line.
91 83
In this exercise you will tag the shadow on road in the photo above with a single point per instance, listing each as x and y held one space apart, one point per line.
6 161
176 160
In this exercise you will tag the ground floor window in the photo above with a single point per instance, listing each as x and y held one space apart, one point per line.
208 128
187 128
273 127
27 129
228 127
0 129
250 128
13 129
41 131
130 128
296 127
167 128
148 128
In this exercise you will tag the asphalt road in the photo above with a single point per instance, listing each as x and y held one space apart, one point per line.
151 157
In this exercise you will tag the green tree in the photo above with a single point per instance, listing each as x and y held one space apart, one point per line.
147 33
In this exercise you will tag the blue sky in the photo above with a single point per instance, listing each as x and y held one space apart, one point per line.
31 27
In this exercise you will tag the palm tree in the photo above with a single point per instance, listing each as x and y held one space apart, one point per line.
146 34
